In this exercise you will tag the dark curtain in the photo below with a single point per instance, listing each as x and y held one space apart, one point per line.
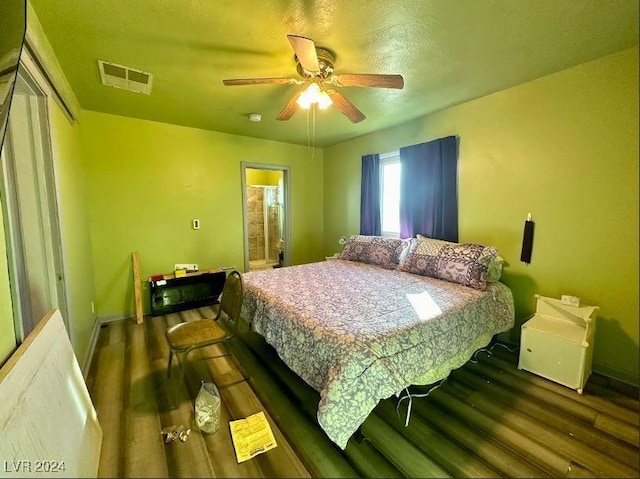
429 189
370 196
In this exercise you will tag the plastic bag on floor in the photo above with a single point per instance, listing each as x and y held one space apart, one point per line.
207 408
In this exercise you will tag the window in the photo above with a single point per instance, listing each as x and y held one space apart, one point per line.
390 194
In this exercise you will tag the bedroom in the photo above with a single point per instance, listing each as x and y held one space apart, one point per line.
563 147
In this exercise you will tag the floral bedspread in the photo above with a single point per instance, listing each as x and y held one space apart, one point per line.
358 333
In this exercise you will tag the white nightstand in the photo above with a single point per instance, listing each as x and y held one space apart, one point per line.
557 342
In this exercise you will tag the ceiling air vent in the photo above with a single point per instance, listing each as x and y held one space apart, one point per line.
126 78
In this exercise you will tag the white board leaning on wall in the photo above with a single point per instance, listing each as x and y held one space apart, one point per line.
48 422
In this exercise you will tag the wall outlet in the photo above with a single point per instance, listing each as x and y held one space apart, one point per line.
187 266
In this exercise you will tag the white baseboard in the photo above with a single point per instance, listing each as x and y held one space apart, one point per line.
86 364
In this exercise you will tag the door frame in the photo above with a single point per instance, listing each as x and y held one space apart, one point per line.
39 95
286 184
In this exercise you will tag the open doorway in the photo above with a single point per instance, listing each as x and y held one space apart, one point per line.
265 194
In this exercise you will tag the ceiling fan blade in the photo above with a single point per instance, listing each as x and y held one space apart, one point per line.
369 80
345 106
306 52
290 108
258 81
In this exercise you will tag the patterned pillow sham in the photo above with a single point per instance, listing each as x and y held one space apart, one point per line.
494 270
376 250
465 264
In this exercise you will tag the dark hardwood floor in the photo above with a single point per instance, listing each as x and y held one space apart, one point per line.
488 419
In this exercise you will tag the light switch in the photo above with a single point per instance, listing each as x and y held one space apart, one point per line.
196 224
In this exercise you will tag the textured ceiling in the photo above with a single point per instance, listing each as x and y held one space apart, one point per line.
449 51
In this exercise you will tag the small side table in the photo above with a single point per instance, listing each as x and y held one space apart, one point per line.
170 294
557 342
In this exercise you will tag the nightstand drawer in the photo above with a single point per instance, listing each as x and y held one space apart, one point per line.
552 357
557 342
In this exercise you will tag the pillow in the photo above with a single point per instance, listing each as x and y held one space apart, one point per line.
376 250
494 271
465 264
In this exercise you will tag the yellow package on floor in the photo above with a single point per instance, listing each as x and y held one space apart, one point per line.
251 436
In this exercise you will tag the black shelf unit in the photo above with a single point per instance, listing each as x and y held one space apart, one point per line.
170 294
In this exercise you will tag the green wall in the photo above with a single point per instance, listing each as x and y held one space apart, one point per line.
263 177
563 148
257 177
74 230
146 181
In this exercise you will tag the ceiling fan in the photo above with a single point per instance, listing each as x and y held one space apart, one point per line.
315 67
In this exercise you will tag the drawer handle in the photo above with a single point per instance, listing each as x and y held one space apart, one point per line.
528 350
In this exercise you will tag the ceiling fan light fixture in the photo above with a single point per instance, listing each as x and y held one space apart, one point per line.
312 95
324 100
304 102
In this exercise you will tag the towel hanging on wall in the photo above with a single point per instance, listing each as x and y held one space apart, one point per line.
527 240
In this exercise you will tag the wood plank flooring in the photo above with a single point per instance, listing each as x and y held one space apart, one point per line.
488 419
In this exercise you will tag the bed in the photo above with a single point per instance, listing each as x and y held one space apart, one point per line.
358 333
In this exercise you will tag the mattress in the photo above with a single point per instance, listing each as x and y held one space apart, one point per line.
358 333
